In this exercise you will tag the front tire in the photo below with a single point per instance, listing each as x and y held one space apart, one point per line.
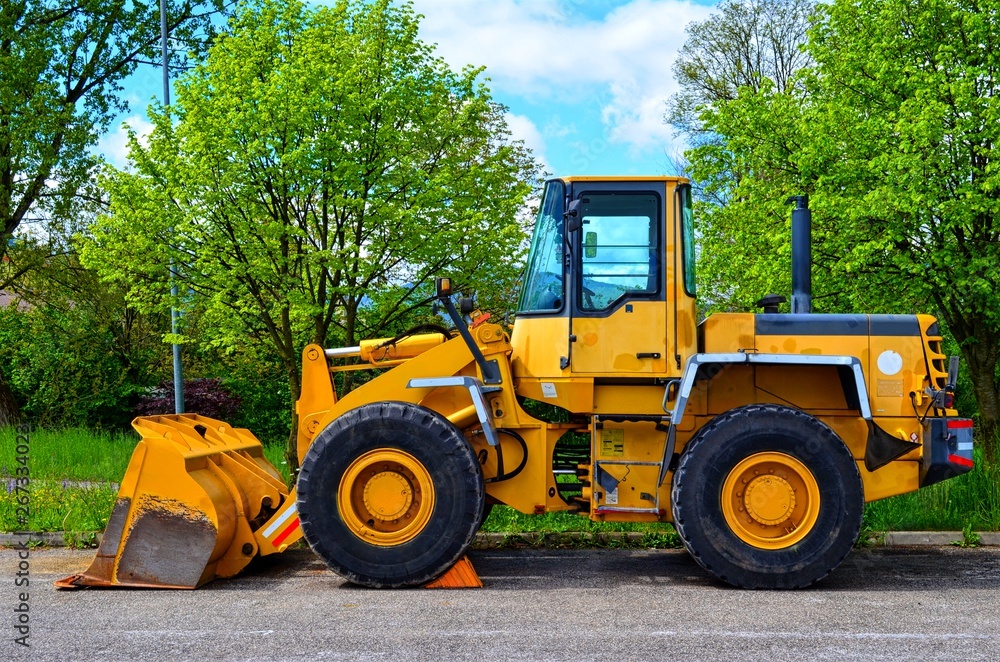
390 495
767 497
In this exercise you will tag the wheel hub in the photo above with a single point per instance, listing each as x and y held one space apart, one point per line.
388 495
769 499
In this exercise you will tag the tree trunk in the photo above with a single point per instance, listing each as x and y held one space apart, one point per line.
982 355
292 449
350 325
988 438
10 412
989 411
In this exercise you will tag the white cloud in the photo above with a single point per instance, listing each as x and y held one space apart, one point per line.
548 49
114 145
555 128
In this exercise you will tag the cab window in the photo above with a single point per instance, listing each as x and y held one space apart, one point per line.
619 238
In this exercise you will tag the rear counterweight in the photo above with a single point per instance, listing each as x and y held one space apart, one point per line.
947 449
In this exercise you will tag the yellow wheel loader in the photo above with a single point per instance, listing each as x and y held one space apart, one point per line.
760 436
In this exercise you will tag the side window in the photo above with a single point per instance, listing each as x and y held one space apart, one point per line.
620 237
687 237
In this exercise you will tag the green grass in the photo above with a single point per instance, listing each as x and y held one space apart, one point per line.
59 462
275 454
970 502
514 524
58 508
508 520
75 454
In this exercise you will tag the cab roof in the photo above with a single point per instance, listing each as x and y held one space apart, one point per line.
624 178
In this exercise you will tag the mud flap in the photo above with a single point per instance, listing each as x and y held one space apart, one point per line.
883 448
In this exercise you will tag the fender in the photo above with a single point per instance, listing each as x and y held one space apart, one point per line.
881 448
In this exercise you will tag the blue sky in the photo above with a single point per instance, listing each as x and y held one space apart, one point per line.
585 81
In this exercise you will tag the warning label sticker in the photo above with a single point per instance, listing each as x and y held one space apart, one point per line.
890 388
612 443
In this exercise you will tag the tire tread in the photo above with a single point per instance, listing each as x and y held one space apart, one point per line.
695 448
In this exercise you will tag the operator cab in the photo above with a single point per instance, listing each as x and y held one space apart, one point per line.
609 285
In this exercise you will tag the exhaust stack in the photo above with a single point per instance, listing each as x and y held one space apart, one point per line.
801 254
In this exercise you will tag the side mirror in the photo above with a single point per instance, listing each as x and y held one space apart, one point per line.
590 244
572 216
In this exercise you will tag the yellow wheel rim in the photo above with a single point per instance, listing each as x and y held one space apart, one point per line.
770 500
386 497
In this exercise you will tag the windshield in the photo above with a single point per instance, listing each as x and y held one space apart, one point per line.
543 288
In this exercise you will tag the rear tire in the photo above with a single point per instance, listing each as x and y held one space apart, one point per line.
390 495
767 497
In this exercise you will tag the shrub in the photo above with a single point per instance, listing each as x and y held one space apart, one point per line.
208 397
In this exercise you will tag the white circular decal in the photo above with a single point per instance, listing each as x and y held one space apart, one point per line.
889 362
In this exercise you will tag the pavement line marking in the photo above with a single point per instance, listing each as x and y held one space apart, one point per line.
814 635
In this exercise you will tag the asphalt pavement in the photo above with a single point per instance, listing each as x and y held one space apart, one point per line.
591 604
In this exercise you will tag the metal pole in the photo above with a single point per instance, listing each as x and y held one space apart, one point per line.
174 313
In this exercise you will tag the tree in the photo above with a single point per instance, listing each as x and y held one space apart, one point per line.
77 354
747 43
324 165
61 67
894 136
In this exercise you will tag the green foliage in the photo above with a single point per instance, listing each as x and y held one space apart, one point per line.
745 44
545 411
262 388
319 157
76 354
969 538
317 170
61 69
62 65
892 133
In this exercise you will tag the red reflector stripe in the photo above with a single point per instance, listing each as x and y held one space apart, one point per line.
961 461
960 424
288 531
